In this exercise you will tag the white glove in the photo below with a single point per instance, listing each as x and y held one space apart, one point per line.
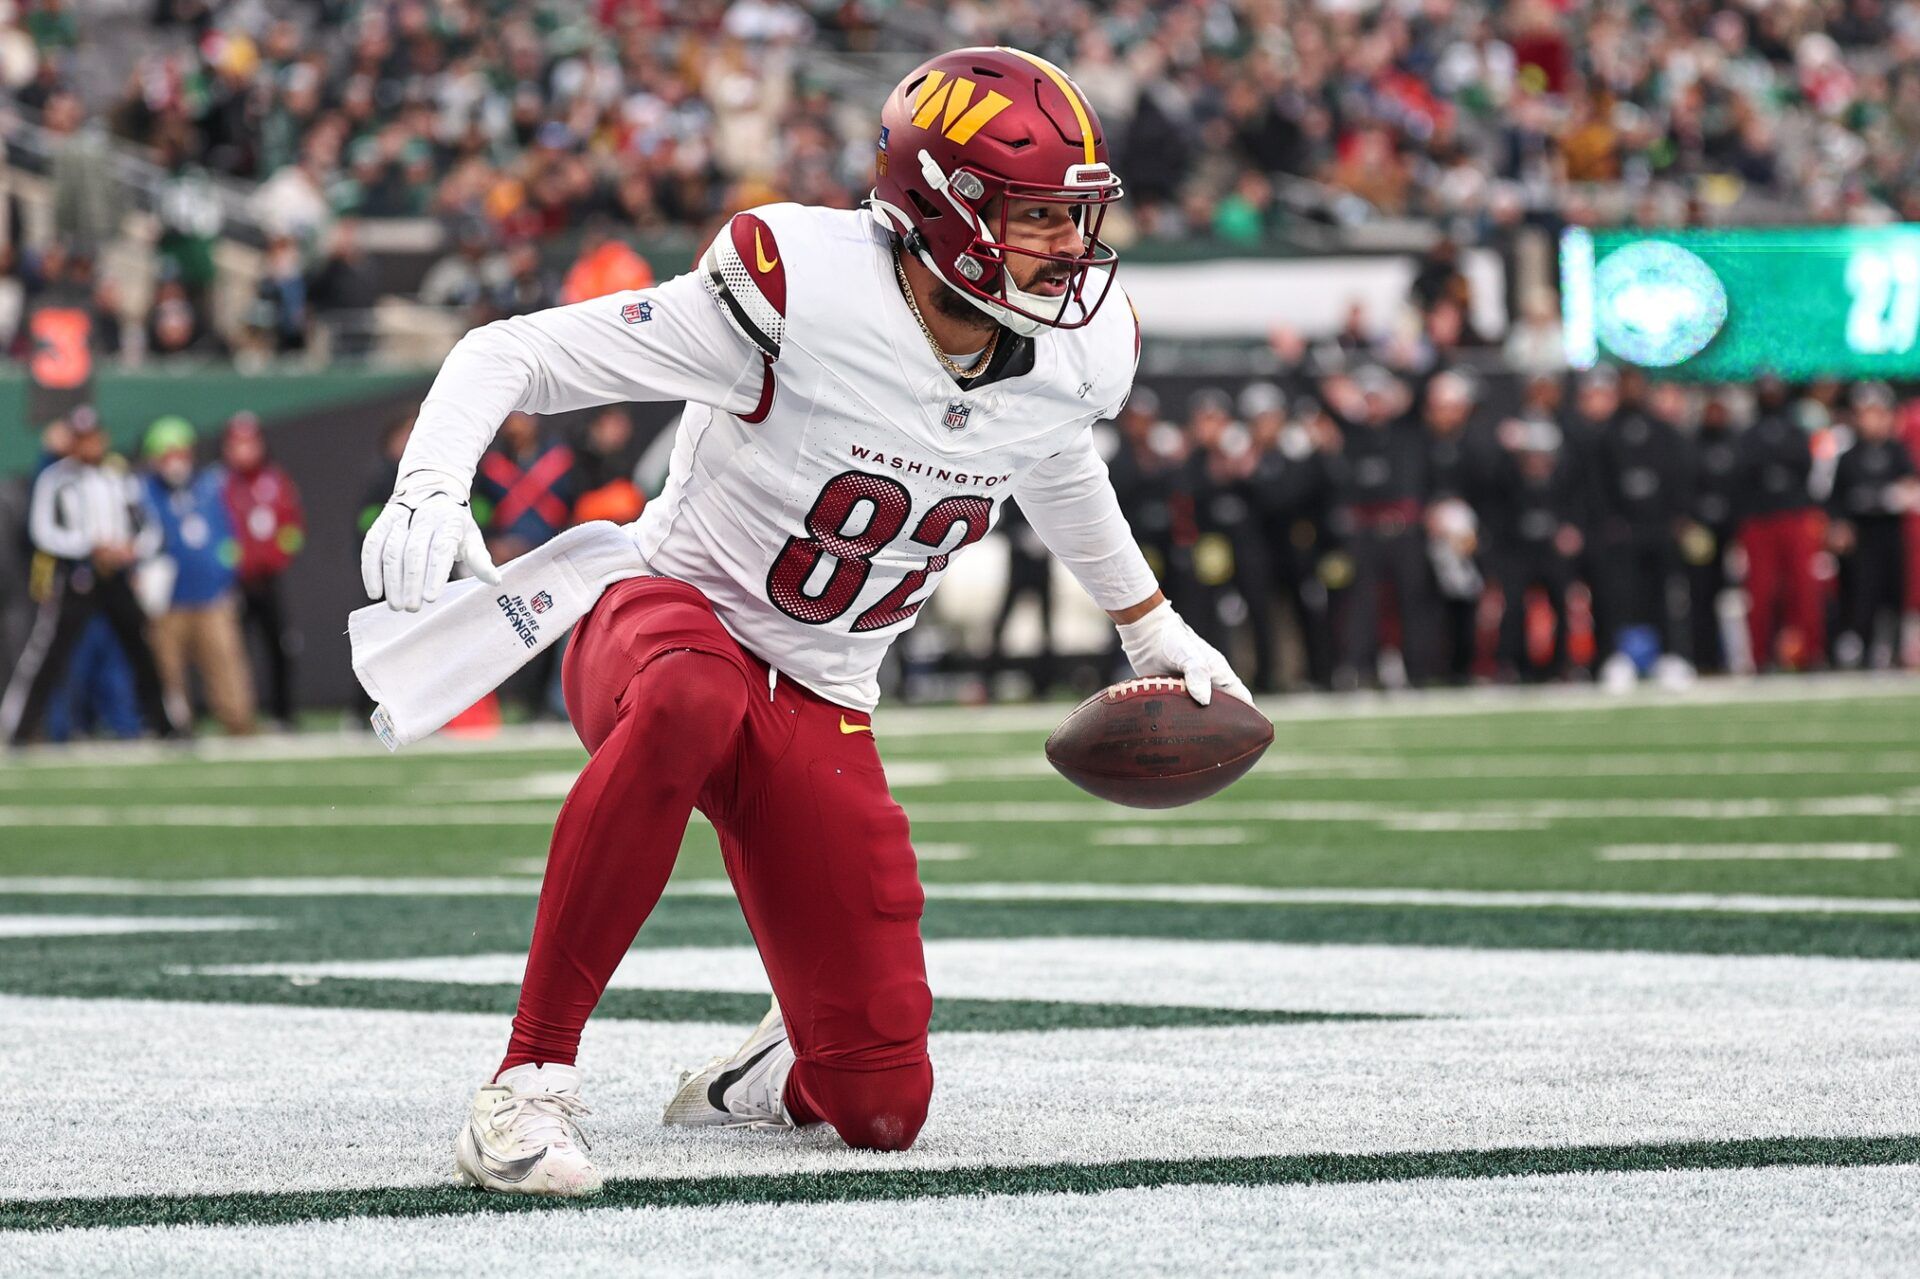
410 550
1161 643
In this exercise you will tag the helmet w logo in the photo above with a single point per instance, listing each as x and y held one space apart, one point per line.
951 102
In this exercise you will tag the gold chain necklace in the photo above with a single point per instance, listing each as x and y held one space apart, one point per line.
958 370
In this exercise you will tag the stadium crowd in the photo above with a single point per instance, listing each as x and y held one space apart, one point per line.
1469 530
514 123
1411 501
1358 527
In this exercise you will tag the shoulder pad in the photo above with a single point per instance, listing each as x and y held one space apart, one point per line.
744 273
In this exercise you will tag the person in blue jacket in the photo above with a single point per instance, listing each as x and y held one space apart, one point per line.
201 627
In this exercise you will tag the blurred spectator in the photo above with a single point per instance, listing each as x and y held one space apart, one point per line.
1206 506
1779 535
605 265
1709 533
524 491
1873 487
1383 485
1645 493
1456 477
86 200
270 529
176 327
343 283
1029 573
200 629
90 519
461 277
522 496
281 318
190 223
1294 483
1535 510
604 459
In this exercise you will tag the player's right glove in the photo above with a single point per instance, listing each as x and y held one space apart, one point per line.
1161 643
411 549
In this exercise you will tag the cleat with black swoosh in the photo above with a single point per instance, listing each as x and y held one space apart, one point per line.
744 1090
523 1137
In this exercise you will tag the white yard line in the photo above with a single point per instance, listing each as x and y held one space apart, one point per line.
285 1098
1186 894
1736 1222
1430 981
118 925
1747 852
1488 815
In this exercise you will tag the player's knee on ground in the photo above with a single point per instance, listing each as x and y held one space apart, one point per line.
870 1109
866 1071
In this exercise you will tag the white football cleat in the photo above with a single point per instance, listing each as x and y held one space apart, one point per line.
745 1090
523 1135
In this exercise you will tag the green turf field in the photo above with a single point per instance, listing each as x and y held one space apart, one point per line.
1458 984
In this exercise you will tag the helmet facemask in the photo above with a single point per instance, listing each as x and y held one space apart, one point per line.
983 271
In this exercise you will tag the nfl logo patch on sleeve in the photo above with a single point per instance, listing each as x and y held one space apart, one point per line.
637 312
958 411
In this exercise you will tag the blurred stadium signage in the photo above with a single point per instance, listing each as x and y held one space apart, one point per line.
1723 305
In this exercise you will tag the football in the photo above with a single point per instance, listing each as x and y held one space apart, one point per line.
1144 743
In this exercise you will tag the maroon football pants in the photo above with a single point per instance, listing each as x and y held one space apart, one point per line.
1784 618
678 716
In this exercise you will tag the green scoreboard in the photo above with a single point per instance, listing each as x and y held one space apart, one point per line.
1726 305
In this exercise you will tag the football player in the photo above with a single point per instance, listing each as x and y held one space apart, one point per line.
865 388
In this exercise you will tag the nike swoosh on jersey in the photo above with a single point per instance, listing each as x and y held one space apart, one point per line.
854 728
760 258
507 1169
717 1090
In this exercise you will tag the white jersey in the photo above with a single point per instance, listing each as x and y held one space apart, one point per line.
827 468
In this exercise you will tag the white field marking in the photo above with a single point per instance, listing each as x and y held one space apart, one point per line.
934 851
1571 702
915 774
191 774
1161 837
249 815
1735 1223
1189 894
1478 767
117 925
291 886
1446 821
1747 852
282 1098
1489 815
1430 981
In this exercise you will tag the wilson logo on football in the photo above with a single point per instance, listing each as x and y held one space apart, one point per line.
951 102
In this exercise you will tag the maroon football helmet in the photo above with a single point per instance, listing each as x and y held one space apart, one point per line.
966 133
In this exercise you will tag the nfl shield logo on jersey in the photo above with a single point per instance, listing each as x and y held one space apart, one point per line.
541 602
637 312
958 411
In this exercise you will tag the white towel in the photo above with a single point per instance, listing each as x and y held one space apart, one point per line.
424 668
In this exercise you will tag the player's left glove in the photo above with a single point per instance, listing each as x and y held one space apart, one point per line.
1161 643
410 551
